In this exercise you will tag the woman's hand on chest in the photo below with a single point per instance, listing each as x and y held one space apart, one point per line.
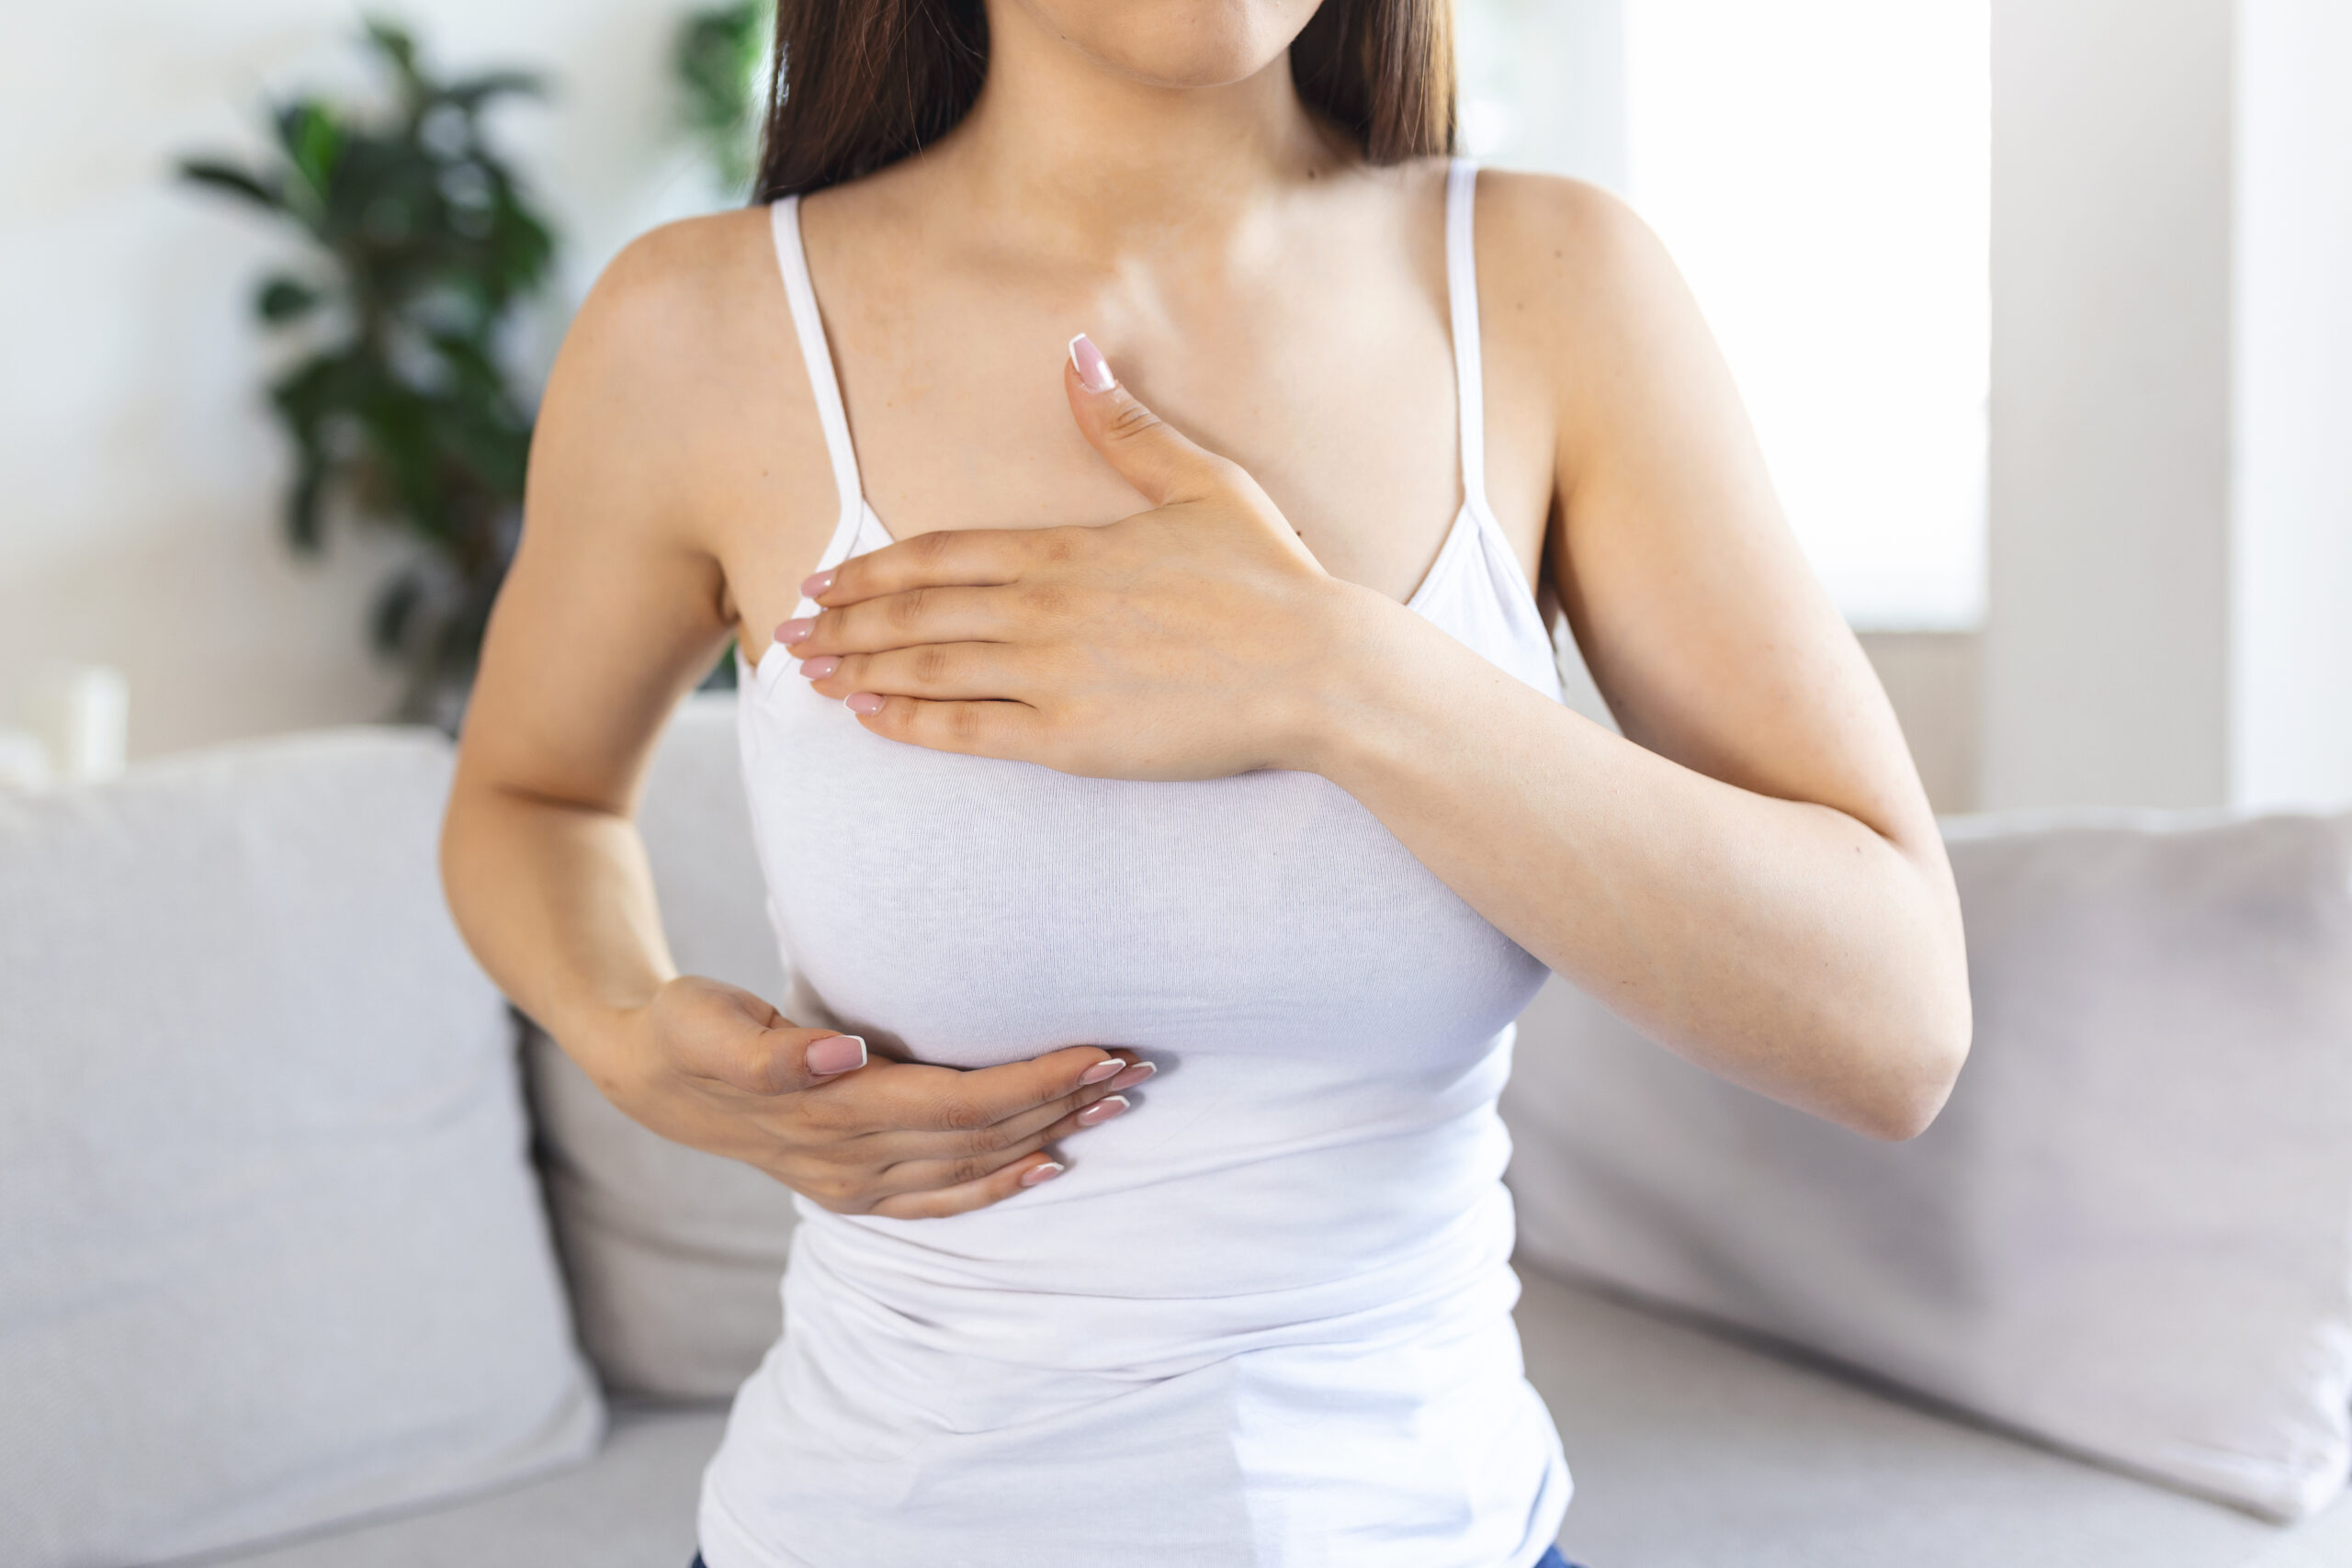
1195 641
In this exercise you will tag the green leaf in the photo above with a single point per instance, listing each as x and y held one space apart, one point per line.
426 243
235 181
316 144
471 93
284 299
395 43
396 607
716 58
305 502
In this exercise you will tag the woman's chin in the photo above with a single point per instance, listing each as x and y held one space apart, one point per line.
1177 44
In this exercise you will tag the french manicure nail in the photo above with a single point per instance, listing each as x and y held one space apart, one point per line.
816 585
1094 370
1102 1111
1045 1172
824 664
797 629
1109 1067
836 1054
864 703
1135 1073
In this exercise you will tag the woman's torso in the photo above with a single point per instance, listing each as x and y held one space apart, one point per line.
1264 1318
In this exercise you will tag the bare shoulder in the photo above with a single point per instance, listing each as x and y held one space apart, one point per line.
1567 260
677 393
682 299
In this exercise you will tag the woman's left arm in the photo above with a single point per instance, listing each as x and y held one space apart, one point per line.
1752 876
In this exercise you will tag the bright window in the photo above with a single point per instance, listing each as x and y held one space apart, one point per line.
1821 171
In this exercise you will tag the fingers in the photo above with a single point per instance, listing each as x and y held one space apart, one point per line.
926 1188
895 1099
953 613
937 1175
930 1149
1007 729
994 1144
967 1102
994 1188
1164 465
970 556
940 672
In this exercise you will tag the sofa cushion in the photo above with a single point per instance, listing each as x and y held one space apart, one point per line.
1690 1451
674 1256
2130 1231
631 1506
274 1255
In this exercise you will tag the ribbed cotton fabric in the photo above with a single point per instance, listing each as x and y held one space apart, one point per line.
1264 1319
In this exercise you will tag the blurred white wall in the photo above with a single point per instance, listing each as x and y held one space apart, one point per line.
2171 521
2290 562
140 477
1819 170
2104 676
1544 87
2171 499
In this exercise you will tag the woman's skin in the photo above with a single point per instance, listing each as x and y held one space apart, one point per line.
1751 875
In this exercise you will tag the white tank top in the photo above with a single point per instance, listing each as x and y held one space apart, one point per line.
1264 1319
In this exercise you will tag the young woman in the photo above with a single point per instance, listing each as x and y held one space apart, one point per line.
1176 701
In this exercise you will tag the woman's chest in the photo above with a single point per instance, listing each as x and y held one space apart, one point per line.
971 911
1331 385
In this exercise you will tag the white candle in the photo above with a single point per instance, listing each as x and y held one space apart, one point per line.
82 712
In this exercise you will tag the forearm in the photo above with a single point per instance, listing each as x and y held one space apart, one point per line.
557 901
1783 945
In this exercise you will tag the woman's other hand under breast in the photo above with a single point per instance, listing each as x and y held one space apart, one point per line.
1193 640
718 1069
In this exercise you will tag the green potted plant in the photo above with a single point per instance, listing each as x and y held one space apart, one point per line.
718 59
426 245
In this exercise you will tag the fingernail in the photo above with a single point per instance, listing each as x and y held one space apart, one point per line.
1109 1067
824 664
812 586
1102 1111
1136 1072
797 629
1045 1172
836 1054
1094 370
864 703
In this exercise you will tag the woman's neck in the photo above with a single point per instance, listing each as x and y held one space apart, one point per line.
1062 151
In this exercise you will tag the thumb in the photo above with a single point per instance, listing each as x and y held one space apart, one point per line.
1149 453
784 1060
721 1032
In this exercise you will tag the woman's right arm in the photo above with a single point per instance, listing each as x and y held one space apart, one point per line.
667 423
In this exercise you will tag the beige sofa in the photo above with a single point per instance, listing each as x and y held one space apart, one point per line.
1689 1447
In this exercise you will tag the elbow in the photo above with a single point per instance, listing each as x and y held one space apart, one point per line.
1912 1080
1909 1049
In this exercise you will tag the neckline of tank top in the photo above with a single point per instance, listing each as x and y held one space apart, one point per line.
1472 518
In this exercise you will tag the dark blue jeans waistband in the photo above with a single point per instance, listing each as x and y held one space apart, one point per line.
1552 1559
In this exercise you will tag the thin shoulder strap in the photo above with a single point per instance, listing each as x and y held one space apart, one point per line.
784 216
1462 295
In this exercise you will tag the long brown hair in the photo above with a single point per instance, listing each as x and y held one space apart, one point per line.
861 84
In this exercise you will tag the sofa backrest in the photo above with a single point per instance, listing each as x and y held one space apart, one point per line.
274 1255
2129 1232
